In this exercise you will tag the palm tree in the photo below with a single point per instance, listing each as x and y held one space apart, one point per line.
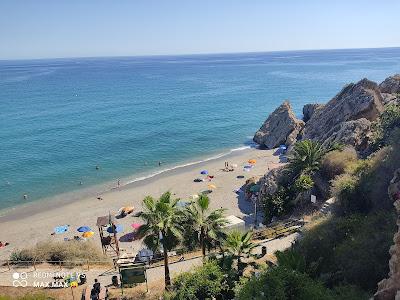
239 244
208 224
163 226
305 158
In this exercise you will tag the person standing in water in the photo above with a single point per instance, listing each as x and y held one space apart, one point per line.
119 183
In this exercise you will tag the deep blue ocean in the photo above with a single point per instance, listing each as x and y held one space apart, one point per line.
61 118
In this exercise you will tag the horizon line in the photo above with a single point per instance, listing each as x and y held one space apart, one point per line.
195 54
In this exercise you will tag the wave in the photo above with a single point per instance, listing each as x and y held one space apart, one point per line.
217 156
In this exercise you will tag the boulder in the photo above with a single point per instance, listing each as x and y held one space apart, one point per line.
269 182
389 288
355 133
391 85
309 110
281 127
355 101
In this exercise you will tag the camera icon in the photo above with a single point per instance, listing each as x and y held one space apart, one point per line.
19 279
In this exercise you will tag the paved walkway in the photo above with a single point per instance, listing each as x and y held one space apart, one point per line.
30 277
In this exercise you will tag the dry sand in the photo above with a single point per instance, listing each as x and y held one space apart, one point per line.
25 226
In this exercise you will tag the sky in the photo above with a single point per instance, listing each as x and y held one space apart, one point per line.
90 28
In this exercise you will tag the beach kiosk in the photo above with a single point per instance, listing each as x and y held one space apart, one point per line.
109 241
234 223
132 274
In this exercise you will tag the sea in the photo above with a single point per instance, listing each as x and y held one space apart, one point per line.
69 125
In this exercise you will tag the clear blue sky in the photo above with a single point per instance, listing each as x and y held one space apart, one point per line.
74 28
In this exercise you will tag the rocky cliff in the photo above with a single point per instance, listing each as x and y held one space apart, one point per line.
355 101
345 119
389 289
390 89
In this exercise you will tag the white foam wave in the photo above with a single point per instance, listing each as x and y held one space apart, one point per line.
217 156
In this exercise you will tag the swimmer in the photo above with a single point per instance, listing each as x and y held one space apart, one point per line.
97 167
80 182
25 196
159 163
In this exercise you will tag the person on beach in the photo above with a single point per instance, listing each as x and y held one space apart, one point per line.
2 245
119 183
94 293
25 196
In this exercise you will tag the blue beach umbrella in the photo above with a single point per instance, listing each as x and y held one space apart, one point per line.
84 229
204 172
118 228
61 229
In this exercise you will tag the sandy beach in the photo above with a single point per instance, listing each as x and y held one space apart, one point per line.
34 222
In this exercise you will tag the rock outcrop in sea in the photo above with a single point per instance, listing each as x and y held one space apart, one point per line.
389 288
281 127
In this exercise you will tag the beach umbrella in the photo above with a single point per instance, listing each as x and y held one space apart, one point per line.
88 234
61 229
136 226
84 229
252 161
212 186
204 172
118 228
255 188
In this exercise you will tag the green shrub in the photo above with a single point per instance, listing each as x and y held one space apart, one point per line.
205 282
335 162
279 283
292 260
276 205
351 249
24 255
303 183
388 121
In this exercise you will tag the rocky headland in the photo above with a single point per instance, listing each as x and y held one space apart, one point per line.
349 119
345 119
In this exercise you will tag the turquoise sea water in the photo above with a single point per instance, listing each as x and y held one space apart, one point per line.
60 118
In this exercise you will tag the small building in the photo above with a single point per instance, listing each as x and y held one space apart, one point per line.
234 223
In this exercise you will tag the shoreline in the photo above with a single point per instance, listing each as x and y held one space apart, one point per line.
35 222
23 210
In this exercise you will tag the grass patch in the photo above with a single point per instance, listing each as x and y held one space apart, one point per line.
74 252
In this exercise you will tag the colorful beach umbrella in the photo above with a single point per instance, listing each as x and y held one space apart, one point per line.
252 161
88 234
204 172
118 228
61 229
84 229
212 186
136 226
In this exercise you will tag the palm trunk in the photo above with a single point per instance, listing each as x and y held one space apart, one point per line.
203 244
166 271
166 267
